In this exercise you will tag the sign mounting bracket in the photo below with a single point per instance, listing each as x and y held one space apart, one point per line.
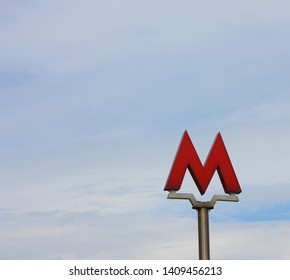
232 197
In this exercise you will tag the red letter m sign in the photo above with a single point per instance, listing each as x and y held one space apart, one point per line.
217 159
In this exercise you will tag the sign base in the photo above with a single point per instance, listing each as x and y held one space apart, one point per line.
203 208
201 204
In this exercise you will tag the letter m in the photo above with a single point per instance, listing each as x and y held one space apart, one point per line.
217 159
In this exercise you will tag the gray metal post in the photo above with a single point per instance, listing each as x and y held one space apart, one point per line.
203 233
203 207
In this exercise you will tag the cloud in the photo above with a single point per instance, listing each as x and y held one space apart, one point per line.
90 236
251 241
70 36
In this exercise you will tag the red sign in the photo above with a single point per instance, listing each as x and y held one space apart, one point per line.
217 159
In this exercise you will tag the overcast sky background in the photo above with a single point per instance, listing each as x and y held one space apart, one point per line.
94 98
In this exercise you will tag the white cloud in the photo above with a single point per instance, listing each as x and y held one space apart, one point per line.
90 236
258 240
68 36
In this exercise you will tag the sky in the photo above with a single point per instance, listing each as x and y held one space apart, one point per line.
94 99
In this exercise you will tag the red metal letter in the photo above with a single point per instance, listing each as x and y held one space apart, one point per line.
217 159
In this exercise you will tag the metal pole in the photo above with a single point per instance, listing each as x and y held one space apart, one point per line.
203 233
203 208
